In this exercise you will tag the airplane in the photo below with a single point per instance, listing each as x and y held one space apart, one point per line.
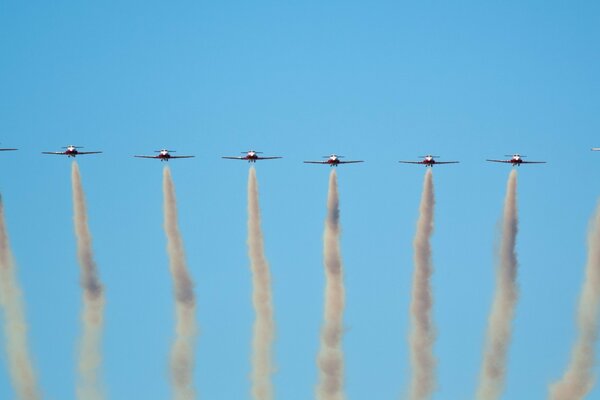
429 161
251 156
517 159
71 151
333 161
164 155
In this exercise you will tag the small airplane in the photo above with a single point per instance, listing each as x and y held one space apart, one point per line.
333 161
429 161
251 156
164 155
71 151
517 159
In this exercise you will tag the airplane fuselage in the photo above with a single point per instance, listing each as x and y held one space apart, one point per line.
71 151
251 156
164 156
516 160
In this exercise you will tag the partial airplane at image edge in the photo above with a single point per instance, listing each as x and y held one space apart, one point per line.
164 155
429 161
251 156
71 151
517 159
333 160
595 148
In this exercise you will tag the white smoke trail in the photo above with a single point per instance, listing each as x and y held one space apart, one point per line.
422 334
493 368
331 358
23 376
578 379
182 351
264 326
89 387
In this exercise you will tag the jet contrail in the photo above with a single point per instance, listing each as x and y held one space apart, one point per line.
422 335
182 351
264 326
23 376
89 387
493 369
331 358
578 379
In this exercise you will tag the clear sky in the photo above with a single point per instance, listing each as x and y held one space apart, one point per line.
379 81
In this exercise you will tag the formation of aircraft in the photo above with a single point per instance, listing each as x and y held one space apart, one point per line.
251 156
71 151
333 161
164 155
429 161
517 160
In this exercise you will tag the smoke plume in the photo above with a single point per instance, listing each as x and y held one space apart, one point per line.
262 359
578 379
89 387
331 358
422 335
182 351
22 374
493 369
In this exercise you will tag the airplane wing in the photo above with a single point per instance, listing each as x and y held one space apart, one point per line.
502 161
59 153
350 162
146 156
182 156
533 162
316 162
411 162
8 149
88 152
235 158
447 162
267 158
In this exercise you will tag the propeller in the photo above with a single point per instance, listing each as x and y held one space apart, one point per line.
333 155
256 152
512 155
76 147
170 151
429 156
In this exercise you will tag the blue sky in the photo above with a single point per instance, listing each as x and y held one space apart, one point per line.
379 81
